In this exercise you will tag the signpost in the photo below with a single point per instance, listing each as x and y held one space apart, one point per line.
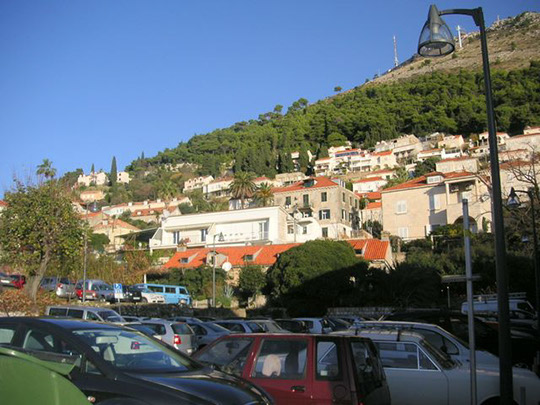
118 292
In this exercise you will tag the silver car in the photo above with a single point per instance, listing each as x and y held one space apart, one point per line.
419 373
207 332
176 334
150 297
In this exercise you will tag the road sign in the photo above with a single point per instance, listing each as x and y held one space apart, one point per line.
118 292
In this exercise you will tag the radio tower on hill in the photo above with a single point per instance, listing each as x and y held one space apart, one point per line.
396 62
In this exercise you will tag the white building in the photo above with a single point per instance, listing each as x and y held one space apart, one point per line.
369 184
197 182
218 188
93 179
266 225
123 178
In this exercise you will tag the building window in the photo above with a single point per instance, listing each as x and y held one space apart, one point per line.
204 232
304 230
290 229
176 237
343 214
305 199
343 197
325 232
324 196
401 207
184 260
248 258
403 233
434 203
356 204
350 200
287 201
324 214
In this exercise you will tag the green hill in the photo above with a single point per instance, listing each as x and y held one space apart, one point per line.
420 97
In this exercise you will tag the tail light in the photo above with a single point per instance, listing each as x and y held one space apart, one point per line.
94 294
177 340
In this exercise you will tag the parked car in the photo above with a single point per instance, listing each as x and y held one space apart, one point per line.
5 281
435 335
95 290
337 324
173 294
47 379
133 295
148 296
116 365
303 368
207 332
270 326
317 325
524 346
88 313
185 319
240 325
418 373
50 283
131 318
65 289
143 329
18 280
176 334
293 325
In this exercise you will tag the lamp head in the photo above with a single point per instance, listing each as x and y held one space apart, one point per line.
513 199
435 38
221 238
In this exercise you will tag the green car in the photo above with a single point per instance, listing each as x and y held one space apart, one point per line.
26 379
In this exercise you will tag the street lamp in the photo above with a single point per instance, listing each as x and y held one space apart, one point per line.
513 202
93 209
437 40
221 239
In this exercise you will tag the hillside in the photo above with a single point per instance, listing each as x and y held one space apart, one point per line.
420 97
512 44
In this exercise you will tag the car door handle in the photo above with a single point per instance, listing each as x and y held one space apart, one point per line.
298 388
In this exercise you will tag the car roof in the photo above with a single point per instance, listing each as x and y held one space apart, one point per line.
397 324
290 335
64 323
81 307
390 335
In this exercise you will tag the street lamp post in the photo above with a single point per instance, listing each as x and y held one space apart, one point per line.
93 209
221 239
437 40
513 202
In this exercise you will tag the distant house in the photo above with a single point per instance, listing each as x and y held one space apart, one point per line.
369 184
91 195
197 182
123 178
93 179
114 229
459 164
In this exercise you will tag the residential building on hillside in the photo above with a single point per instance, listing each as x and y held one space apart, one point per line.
516 154
93 179
115 229
218 188
529 140
459 164
483 140
384 173
295 156
252 226
451 142
372 212
286 179
321 200
383 160
123 178
412 210
368 184
134 207
3 205
197 182
87 196
404 148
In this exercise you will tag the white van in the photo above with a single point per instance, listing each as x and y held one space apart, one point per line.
487 304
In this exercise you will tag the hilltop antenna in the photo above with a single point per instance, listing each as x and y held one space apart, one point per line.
459 36
396 62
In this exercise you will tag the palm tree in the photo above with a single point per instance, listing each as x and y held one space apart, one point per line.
46 169
166 189
243 186
264 195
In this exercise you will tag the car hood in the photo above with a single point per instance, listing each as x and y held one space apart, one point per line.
210 385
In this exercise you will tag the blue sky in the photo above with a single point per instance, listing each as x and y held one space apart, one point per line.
83 81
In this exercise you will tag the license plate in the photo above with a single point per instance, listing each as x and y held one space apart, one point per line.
136 298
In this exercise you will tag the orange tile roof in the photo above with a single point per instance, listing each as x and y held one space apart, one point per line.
374 205
326 158
319 183
430 150
374 195
265 255
514 163
3 203
372 249
421 181
116 223
384 153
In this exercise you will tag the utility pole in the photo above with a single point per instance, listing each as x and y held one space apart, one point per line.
459 36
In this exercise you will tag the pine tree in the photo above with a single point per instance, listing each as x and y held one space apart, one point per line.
92 170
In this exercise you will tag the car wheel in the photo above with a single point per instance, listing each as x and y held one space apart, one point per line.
102 299
144 300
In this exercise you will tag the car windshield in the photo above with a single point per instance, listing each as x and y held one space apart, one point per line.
216 328
133 352
110 316
270 326
182 329
442 358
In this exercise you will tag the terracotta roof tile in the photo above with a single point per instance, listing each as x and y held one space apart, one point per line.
384 153
374 205
372 249
319 183
369 179
3 203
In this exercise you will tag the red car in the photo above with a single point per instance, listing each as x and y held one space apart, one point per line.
303 369
18 280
